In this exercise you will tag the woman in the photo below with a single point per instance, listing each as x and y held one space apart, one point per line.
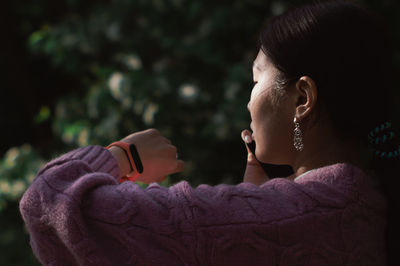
322 80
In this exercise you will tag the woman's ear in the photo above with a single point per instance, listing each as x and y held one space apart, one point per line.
306 94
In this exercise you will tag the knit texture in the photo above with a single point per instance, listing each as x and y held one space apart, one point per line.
77 213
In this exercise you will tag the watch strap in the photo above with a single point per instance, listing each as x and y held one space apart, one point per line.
133 158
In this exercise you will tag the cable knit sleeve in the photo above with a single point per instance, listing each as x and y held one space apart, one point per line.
78 214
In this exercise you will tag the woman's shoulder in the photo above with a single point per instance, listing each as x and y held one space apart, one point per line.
342 181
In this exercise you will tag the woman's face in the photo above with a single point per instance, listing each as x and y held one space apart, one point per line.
272 114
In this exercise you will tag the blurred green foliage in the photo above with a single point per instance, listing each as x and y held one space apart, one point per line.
183 67
18 168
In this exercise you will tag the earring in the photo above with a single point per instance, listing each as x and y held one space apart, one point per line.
298 140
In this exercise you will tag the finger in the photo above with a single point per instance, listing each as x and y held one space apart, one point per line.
251 159
152 131
172 149
167 141
249 151
246 136
180 166
248 140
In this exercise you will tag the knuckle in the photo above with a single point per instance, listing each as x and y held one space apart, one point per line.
173 148
154 131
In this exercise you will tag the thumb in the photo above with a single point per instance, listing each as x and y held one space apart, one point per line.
180 166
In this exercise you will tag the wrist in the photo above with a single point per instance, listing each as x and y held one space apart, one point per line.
123 162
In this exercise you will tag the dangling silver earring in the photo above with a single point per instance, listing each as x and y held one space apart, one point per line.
298 140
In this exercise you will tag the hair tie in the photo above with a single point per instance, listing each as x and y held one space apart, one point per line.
381 140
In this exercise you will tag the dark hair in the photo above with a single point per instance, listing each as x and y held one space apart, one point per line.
348 52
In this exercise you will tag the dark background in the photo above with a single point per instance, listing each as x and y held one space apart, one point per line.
90 72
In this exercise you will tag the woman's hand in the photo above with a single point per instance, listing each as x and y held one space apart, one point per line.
158 156
254 172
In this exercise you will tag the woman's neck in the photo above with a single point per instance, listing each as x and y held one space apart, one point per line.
322 151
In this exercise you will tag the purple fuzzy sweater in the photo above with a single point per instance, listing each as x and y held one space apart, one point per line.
78 214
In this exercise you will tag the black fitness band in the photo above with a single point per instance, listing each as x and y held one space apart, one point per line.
136 158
